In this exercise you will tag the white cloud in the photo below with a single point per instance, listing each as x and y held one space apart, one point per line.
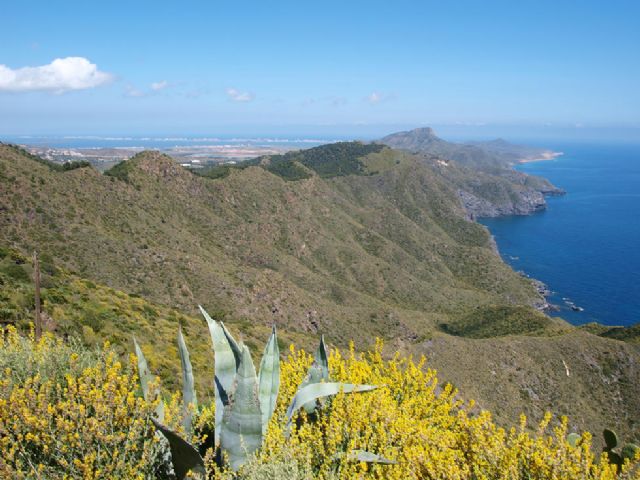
157 86
61 75
378 97
238 96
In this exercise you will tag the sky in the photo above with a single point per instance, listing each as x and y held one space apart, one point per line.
320 68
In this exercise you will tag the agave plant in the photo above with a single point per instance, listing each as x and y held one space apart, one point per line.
617 456
244 401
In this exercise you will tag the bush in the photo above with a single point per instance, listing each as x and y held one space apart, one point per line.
70 412
67 412
424 428
16 272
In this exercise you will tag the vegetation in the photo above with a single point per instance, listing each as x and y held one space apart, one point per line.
244 402
72 413
388 253
68 412
53 166
327 161
332 160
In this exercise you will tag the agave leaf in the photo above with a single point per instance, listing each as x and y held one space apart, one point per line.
318 390
237 351
322 360
184 456
365 456
242 422
269 379
318 372
189 399
224 398
226 364
146 378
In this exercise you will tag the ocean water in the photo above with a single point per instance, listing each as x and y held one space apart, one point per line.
161 142
586 245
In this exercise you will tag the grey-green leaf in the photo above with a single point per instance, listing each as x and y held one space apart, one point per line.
226 364
318 372
269 379
189 399
237 352
321 359
146 378
242 422
184 456
318 390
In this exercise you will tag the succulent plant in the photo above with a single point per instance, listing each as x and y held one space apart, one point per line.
244 401
617 457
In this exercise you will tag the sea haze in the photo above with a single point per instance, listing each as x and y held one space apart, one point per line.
585 246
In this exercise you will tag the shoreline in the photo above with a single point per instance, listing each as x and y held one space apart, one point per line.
545 156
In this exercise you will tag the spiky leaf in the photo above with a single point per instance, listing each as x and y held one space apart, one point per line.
269 379
610 438
318 390
318 372
146 379
242 422
189 399
184 456
226 364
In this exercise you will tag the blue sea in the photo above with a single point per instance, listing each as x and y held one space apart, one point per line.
586 245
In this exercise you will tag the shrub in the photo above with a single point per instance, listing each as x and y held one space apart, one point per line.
16 272
67 412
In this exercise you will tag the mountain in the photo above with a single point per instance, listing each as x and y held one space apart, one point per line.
487 184
494 155
330 252
350 240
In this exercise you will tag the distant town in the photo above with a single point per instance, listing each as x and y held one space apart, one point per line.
188 156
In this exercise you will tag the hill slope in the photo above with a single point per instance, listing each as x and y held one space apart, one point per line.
487 184
376 245
389 253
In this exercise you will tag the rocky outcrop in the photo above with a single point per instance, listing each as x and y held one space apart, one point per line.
525 203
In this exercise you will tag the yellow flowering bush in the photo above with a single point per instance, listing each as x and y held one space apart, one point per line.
66 412
423 427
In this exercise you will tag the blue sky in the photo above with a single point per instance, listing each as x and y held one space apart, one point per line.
351 68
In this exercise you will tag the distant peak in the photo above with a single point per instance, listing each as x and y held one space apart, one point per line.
424 131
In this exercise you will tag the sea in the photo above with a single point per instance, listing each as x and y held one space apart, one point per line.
586 245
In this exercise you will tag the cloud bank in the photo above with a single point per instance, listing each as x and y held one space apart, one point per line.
59 76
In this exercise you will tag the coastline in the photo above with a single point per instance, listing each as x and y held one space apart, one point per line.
545 156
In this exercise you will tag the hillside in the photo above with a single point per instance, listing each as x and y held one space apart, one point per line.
487 184
491 155
376 245
391 253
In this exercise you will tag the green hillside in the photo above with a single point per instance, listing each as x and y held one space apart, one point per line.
376 245
388 253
